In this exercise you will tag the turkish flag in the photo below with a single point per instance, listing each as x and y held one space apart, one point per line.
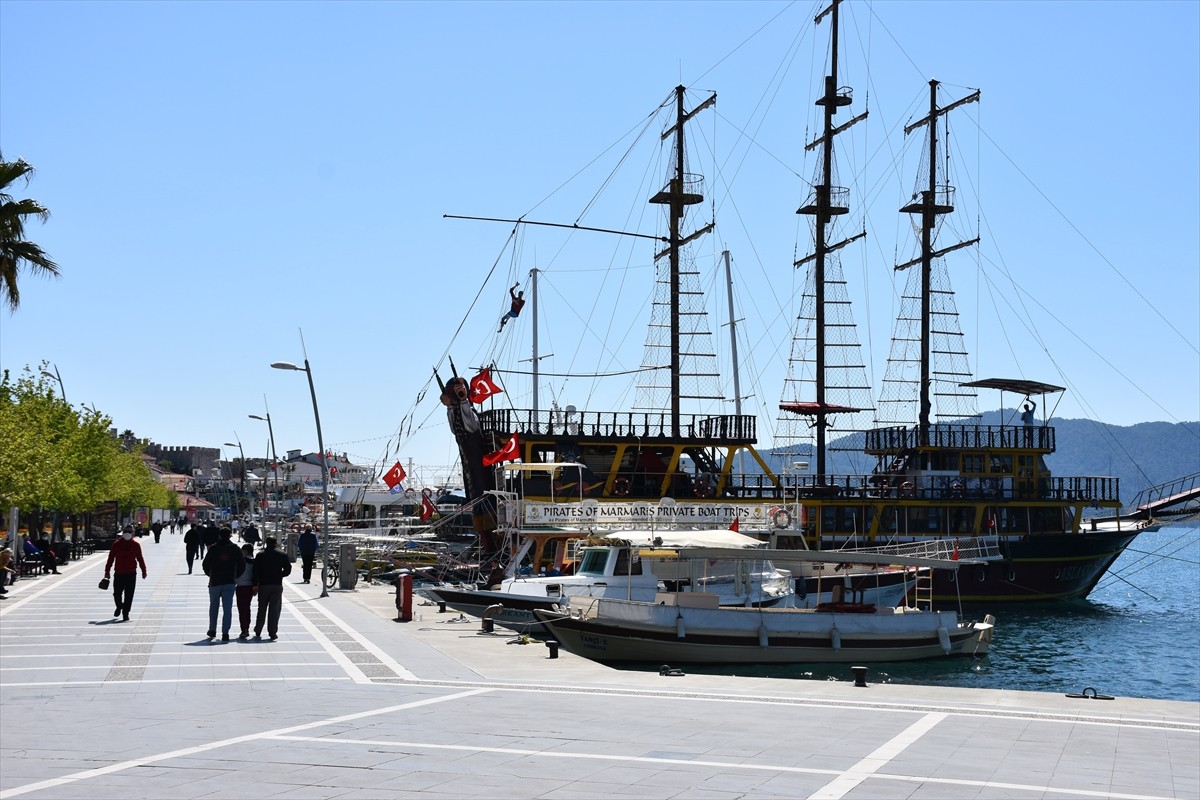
510 452
483 387
394 475
427 508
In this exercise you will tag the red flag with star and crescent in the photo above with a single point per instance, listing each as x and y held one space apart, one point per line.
427 508
483 387
510 452
394 475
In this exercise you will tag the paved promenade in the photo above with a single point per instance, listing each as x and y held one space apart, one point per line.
348 703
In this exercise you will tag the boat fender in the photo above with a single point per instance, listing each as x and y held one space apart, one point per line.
763 639
780 517
680 627
986 636
835 638
621 487
944 640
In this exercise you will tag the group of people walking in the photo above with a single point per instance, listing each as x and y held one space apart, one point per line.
238 572
234 573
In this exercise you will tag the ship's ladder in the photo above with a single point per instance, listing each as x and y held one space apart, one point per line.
922 593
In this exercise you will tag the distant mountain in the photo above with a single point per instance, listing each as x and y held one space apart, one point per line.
1142 455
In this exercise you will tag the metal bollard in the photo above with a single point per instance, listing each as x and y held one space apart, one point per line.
553 648
347 566
404 602
860 676
442 607
489 625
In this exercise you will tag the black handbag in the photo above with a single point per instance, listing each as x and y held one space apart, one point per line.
104 583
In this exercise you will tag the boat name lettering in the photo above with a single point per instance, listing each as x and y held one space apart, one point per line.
618 512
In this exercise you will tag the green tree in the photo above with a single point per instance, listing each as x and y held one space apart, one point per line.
15 251
55 456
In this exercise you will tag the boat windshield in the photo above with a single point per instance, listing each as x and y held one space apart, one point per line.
594 562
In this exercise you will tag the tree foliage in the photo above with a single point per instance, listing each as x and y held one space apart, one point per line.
53 455
16 252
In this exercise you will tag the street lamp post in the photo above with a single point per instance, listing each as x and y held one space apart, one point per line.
274 458
58 378
242 456
324 470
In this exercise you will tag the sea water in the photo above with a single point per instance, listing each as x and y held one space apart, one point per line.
1136 635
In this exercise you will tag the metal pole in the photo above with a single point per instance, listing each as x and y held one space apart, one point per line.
324 485
274 457
324 469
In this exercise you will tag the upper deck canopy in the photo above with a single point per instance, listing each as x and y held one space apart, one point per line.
1018 385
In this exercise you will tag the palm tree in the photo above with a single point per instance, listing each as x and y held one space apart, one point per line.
15 251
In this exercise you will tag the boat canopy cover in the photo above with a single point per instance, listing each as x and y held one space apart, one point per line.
817 408
719 537
1018 385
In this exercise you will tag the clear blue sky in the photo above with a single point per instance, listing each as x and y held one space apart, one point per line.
223 174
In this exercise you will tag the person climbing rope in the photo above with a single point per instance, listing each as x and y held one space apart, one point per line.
518 302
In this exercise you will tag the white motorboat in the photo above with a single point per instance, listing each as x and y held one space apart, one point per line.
615 566
681 628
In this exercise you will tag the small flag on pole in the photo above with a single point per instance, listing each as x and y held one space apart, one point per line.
394 475
427 508
510 452
483 387
734 526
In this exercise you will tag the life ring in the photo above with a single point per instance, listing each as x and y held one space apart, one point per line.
295 527
780 517
621 487
906 489
702 488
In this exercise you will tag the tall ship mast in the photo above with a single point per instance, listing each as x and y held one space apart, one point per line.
942 482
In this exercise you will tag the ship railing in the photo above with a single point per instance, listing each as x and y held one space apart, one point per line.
969 548
629 424
965 488
962 437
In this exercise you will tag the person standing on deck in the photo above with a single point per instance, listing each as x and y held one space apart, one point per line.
124 557
1027 421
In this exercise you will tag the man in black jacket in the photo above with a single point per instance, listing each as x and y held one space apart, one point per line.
270 568
192 541
222 564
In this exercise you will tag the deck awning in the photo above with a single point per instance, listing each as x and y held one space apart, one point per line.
1018 385
814 409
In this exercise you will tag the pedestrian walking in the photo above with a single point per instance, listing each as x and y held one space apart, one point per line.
270 568
223 564
156 528
124 557
209 535
250 534
171 526
307 544
244 591
192 542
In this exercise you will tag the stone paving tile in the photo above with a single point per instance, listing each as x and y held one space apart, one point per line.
168 708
